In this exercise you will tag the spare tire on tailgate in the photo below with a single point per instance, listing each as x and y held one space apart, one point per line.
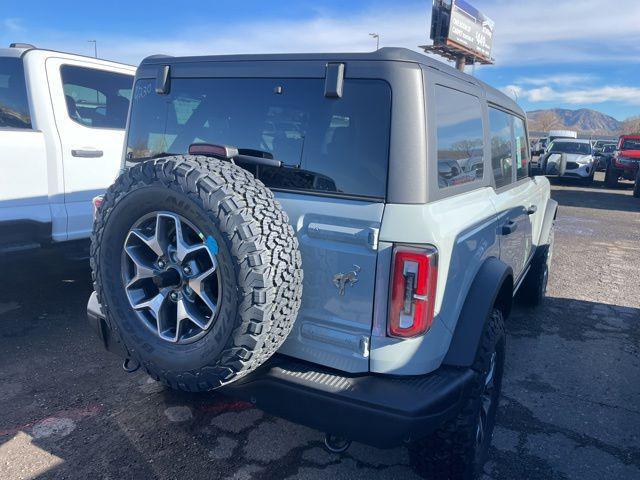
197 270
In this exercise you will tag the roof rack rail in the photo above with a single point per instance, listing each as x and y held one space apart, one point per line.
21 45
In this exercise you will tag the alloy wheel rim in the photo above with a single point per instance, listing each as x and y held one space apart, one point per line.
171 277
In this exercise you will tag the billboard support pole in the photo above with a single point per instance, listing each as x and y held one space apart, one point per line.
461 61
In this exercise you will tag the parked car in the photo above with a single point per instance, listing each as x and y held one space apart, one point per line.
569 158
598 145
624 162
603 156
397 332
62 120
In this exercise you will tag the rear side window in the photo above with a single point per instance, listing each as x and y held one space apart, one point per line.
522 150
96 98
501 146
328 145
14 106
459 137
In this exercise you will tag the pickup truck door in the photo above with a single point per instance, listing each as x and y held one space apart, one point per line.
90 106
25 216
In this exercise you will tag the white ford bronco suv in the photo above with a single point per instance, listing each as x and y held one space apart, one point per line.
62 120
337 238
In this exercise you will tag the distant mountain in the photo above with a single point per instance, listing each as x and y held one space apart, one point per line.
582 120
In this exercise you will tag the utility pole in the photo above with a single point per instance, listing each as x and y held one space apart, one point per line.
377 37
95 47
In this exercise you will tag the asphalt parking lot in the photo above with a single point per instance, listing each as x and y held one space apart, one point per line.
570 406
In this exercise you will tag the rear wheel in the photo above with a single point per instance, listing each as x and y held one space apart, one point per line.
459 449
636 185
197 270
610 177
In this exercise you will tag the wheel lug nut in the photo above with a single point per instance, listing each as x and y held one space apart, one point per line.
161 263
187 270
174 296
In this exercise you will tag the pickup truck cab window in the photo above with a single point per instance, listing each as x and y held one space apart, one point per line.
96 98
459 137
14 106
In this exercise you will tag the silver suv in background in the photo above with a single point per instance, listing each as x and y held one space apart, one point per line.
569 158
337 238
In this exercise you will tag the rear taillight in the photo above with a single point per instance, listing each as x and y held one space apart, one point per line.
97 203
413 290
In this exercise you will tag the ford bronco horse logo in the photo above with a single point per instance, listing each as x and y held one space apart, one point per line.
341 280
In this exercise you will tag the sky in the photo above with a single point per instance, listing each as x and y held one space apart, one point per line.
549 53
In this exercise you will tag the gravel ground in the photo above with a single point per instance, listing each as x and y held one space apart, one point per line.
570 407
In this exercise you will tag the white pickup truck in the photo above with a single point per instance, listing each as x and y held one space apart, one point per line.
62 120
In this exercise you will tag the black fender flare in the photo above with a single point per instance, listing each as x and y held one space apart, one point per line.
550 213
493 284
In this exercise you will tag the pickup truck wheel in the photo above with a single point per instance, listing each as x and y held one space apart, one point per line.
458 449
610 177
636 186
197 270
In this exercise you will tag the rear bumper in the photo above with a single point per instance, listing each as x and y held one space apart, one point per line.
379 410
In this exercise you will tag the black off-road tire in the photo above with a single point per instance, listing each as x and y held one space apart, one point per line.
636 185
258 259
452 452
610 177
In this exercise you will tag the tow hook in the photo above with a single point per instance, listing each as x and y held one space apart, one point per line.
335 443
129 365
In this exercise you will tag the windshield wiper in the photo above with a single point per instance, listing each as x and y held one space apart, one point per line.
226 152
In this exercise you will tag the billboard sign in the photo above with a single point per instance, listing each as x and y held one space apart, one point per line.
459 25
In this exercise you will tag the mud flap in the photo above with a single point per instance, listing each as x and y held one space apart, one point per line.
99 325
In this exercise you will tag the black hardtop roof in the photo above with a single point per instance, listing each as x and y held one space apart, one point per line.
386 54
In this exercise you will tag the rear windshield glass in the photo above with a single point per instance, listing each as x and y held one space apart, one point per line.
327 144
631 144
571 147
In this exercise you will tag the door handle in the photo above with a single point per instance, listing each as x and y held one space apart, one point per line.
87 153
532 209
509 227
